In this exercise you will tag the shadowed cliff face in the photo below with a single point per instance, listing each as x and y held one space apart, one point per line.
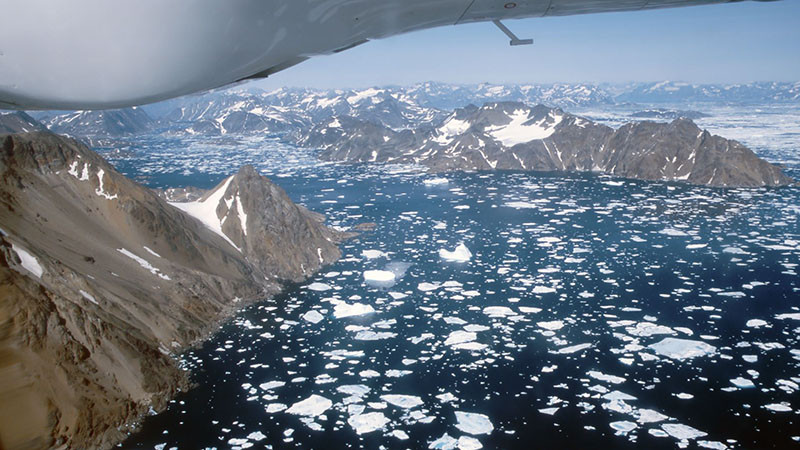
513 136
102 281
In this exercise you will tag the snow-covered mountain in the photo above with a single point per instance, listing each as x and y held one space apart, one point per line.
105 123
254 112
677 92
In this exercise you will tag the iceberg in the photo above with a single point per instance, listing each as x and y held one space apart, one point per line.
460 254
380 276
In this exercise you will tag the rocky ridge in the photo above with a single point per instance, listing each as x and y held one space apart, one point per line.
514 136
103 281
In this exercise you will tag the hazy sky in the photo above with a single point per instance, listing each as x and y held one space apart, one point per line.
726 43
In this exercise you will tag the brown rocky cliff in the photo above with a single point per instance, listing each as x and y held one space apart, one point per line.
126 280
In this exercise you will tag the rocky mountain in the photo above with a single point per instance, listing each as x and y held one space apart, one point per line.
514 136
105 123
103 281
19 122
449 97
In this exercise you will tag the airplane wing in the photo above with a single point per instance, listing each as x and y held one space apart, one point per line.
95 54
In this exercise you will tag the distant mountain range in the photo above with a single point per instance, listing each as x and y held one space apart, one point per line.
515 136
102 280
246 112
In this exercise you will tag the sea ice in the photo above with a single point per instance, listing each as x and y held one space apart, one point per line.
552 325
313 406
682 432
402 401
498 311
446 442
473 423
469 443
319 287
313 316
367 423
682 348
742 383
342 310
604 377
622 427
373 254
380 276
460 254
460 337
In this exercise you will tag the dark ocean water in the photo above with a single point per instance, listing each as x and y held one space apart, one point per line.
581 274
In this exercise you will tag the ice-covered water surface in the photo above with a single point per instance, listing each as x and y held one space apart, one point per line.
603 313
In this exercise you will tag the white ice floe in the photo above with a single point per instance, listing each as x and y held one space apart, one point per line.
469 443
682 348
645 329
367 423
373 254
270 385
446 442
573 349
779 407
367 335
427 287
460 254
342 310
682 432
460 337
473 423
313 406
313 316
29 262
755 323
435 181
650 416
597 375
792 316
742 383
319 287
402 401
552 325
623 427
273 408
379 276
358 390
498 311
543 290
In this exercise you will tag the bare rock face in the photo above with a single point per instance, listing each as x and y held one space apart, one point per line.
253 214
514 136
101 281
19 122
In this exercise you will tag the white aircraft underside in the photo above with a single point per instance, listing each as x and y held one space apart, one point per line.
95 54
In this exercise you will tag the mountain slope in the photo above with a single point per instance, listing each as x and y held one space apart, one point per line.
105 123
102 281
514 136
